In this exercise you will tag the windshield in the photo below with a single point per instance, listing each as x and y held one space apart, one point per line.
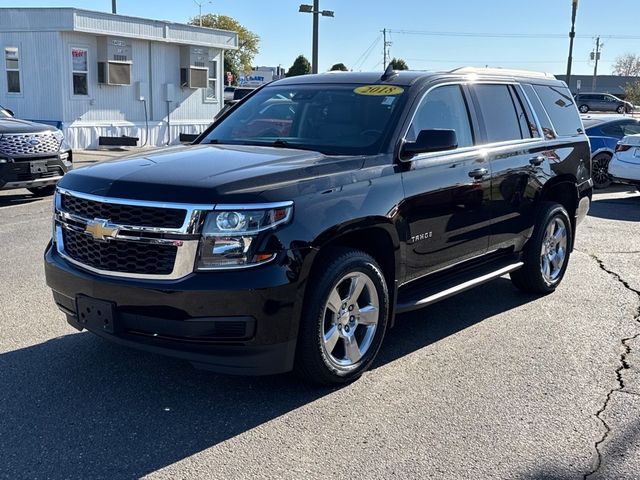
331 119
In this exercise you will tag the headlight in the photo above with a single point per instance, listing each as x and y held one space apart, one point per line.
58 135
229 234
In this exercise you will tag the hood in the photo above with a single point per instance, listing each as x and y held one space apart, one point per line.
208 173
15 125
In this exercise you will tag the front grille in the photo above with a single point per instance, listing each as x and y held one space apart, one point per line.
124 214
119 256
25 144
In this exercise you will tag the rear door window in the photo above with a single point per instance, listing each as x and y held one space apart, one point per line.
561 108
498 111
631 128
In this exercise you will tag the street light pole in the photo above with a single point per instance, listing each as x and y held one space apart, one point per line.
199 4
314 56
113 6
572 34
315 10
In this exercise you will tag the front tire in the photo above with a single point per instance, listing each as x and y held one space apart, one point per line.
600 170
546 254
621 109
42 191
344 318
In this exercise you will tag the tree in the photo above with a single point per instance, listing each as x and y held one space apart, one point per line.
627 65
632 92
399 64
339 67
301 66
235 61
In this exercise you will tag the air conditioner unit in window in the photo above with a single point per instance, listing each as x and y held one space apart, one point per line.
194 77
114 61
114 73
193 67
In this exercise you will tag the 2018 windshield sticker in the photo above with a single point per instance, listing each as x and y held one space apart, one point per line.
381 90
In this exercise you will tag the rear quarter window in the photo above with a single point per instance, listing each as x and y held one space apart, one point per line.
561 108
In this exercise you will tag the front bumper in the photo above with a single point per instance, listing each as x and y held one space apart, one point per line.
237 322
18 172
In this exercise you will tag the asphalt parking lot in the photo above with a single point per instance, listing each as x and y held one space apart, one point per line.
490 384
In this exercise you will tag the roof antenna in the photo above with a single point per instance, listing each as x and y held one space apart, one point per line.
388 73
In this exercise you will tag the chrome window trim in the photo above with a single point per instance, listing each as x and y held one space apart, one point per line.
481 149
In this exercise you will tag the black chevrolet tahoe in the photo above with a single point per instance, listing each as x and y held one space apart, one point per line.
32 155
306 218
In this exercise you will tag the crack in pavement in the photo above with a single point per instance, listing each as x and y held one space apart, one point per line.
624 365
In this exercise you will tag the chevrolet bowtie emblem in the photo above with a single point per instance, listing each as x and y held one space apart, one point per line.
101 230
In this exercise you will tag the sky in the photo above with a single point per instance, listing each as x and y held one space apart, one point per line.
427 34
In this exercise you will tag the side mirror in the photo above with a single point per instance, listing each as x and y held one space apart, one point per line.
10 112
433 140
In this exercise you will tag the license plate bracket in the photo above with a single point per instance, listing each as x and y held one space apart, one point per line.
94 314
38 167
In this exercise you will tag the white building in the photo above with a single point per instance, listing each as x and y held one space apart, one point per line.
98 74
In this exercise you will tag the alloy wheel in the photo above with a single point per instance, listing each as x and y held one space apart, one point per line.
350 320
554 250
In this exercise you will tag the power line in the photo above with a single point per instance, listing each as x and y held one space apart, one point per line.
506 35
365 55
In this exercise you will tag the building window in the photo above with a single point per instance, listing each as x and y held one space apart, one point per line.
212 82
80 70
12 64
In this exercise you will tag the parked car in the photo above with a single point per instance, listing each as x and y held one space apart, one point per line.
258 251
32 155
238 94
228 93
602 102
604 132
625 164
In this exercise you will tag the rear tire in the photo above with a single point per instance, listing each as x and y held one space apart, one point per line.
600 170
42 191
344 318
546 254
583 108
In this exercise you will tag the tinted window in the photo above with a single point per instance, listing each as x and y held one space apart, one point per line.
561 108
631 128
333 119
443 107
499 113
613 130
541 113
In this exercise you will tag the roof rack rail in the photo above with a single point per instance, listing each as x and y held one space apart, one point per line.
502 71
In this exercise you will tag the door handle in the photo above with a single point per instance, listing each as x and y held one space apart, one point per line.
478 173
535 161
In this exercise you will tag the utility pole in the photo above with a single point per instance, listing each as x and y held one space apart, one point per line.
572 35
385 45
113 6
595 56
